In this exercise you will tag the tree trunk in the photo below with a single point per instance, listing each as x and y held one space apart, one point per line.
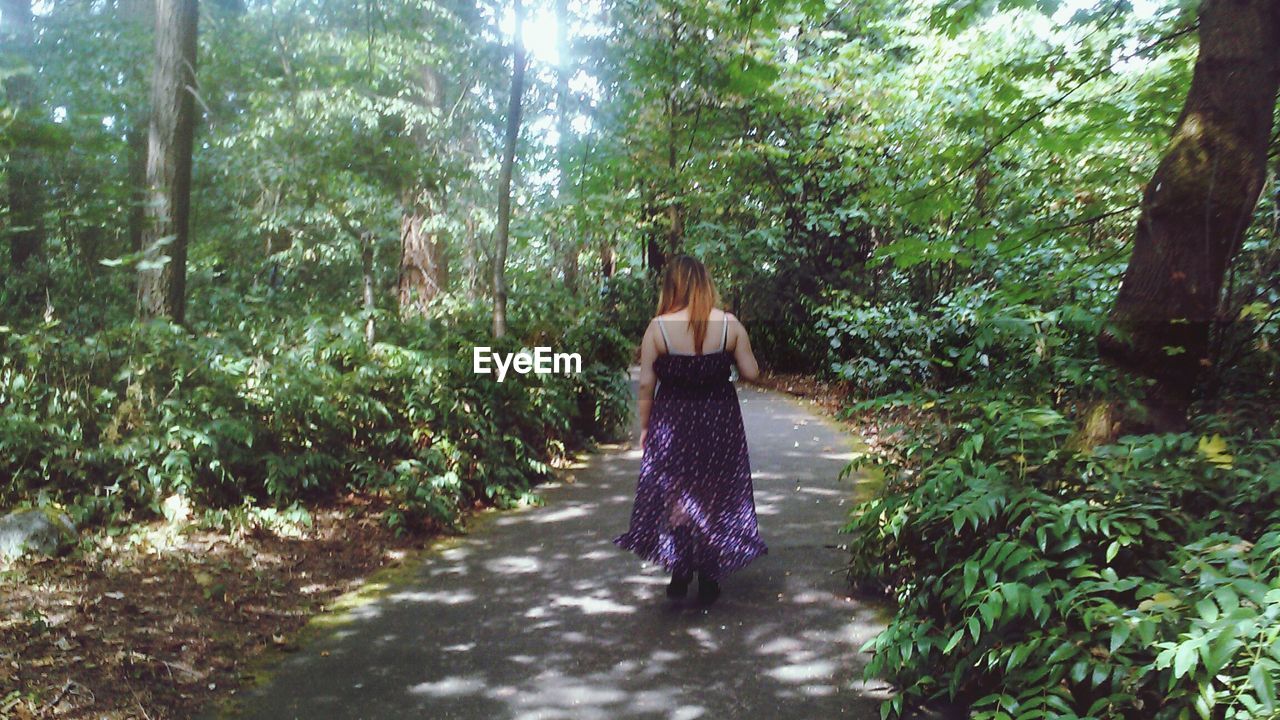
503 230
162 278
366 265
26 206
567 241
422 265
657 261
607 266
422 252
471 259
1195 210
675 218
139 13
136 139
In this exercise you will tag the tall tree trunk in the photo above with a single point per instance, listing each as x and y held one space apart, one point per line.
162 282
675 218
26 206
1196 208
136 140
141 15
568 242
422 252
503 230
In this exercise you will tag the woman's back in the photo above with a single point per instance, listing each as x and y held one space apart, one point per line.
674 336
690 372
677 331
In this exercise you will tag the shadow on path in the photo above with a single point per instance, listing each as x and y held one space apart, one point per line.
538 615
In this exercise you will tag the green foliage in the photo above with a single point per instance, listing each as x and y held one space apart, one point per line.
971 335
119 420
631 300
1039 578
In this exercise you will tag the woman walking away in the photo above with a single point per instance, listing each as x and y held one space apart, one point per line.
694 508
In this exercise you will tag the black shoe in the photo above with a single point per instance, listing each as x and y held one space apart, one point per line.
679 585
708 589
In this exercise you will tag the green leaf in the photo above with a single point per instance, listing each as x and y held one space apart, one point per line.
1185 658
1264 686
1208 610
1119 633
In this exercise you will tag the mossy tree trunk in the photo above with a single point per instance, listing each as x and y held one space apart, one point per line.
1195 211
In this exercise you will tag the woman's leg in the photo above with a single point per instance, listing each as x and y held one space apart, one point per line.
679 585
708 589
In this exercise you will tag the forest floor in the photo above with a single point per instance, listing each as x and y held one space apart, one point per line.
161 619
829 397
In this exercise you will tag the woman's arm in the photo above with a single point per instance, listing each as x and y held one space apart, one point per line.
748 369
648 353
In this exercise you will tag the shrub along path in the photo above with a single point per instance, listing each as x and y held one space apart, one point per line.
536 614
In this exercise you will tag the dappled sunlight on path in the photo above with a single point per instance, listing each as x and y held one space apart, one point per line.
537 615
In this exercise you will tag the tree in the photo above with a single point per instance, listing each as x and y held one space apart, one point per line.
568 244
26 208
503 230
162 274
1196 209
422 258
139 14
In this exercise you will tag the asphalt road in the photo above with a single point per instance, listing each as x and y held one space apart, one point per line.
536 614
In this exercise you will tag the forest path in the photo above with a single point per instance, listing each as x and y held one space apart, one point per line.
536 614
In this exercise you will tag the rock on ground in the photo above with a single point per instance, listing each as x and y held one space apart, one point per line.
42 530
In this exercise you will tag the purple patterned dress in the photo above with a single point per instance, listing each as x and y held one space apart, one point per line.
694 508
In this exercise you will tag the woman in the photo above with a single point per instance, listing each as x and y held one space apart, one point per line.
694 508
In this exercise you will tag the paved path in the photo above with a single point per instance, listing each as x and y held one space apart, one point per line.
536 614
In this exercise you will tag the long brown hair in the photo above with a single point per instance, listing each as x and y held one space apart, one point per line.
687 284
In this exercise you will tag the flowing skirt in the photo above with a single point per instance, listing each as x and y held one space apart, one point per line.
694 507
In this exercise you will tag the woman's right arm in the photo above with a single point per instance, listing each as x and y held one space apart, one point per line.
648 379
748 369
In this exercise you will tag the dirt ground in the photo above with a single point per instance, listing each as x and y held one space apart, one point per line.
164 619
830 396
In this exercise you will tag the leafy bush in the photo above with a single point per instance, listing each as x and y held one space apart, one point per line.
279 412
1038 577
972 334
631 298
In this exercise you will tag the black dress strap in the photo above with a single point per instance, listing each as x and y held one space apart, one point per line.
666 344
724 339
